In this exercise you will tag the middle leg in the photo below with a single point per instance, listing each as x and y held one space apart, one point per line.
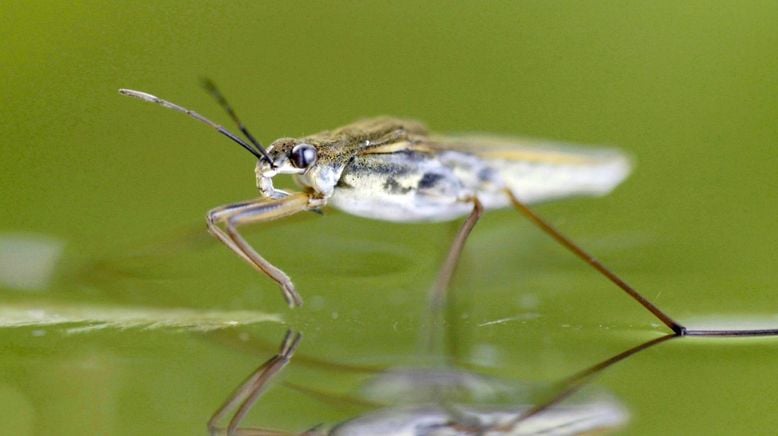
438 298
440 288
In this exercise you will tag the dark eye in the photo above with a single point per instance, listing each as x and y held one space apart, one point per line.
303 155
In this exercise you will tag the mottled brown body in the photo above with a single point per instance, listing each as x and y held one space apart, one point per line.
392 169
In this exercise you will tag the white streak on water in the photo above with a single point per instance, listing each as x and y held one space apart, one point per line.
81 318
522 317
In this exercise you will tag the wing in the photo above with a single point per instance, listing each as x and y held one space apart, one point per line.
534 170
489 147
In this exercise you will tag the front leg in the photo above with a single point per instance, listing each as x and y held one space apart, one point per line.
260 210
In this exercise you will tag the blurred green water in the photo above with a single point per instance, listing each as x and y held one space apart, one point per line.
689 89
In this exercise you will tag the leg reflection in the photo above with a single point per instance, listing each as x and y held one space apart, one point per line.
243 398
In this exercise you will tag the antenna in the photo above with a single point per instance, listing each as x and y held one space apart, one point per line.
214 91
258 153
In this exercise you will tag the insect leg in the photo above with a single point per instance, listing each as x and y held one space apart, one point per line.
233 216
249 391
677 328
438 291
436 336
594 263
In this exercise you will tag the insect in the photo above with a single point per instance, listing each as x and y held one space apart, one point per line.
395 170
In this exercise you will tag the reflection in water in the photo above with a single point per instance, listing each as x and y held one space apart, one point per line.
456 402
429 401
437 420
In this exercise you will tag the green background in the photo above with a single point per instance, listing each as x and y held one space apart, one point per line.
690 89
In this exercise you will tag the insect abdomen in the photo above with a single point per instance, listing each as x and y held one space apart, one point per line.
403 187
594 174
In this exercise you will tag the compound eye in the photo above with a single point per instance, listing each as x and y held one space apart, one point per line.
303 155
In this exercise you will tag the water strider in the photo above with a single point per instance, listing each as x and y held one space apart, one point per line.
395 170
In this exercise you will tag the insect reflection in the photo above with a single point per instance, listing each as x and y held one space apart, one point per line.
443 400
